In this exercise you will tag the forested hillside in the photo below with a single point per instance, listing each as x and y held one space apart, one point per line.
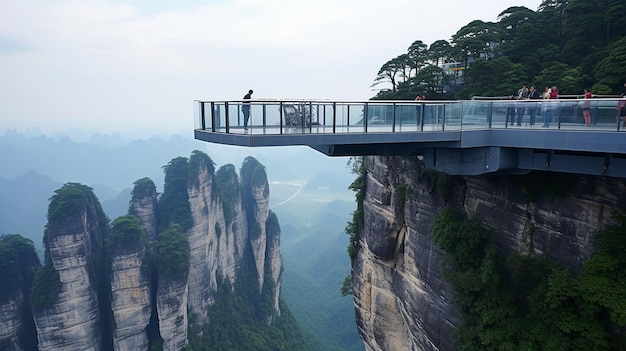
573 44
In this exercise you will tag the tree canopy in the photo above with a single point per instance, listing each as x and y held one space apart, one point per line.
572 44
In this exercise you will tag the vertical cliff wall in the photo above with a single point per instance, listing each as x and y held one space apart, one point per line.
18 264
130 284
142 280
11 321
69 318
401 298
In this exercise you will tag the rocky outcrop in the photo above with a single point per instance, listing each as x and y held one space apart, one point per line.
143 204
256 195
75 230
273 263
107 286
130 301
172 311
11 321
216 240
401 299
229 221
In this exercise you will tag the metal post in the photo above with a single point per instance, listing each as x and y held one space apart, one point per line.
490 114
280 116
334 117
365 116
202 122
226 115
443 119
264 118
422 115
393 126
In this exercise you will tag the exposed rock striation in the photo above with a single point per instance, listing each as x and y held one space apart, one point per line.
130 284
143 204
130 302
75 230
142 279
172 307
11 321
401 299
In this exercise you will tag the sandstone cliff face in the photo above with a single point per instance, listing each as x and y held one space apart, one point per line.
94 307
402 301
71 322
143 204
172 310
130 301
273 262
216 244
221 234
11 321
260 210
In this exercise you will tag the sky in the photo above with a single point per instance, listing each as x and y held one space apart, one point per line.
133 68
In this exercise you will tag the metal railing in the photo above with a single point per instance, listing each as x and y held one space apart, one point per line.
276 117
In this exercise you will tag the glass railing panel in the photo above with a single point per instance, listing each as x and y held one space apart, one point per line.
500 111
531 114
604 113
408 117
197 118
219 115
453 115
475 114
343 120
433 116
355 117
566 114
325 118
379 116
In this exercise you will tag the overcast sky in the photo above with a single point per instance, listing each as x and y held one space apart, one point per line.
134 67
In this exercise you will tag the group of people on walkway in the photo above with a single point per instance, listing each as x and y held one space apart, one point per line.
519 109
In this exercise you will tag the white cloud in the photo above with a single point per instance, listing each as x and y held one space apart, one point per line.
117 65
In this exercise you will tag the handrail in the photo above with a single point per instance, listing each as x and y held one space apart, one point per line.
298 116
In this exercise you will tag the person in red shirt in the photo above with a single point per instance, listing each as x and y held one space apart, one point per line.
587 106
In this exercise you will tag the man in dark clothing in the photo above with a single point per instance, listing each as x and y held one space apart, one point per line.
245 108
533 94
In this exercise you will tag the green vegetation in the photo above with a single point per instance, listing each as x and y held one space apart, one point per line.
172 258
69 199
353 228
226 186
240 315
18 264
530 303
46 285
18 260
200 159
572 44
252 175
141 188
312 242
174 202
401 192
234 326
443 183
126 235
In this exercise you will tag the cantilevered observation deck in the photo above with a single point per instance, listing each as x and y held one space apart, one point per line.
469 137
